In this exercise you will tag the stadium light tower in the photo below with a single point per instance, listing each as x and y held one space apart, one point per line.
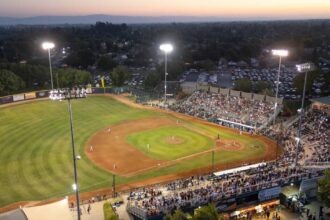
280 53
62 94
166 48
48 46
302 68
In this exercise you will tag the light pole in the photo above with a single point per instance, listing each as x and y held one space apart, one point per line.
48 46
167 48
68 95
280 53
305 67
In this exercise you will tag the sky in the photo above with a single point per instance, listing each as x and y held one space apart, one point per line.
219 8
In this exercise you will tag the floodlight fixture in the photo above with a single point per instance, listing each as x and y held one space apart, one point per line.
167 48
68 94
280 52
302 68
305 67
48 45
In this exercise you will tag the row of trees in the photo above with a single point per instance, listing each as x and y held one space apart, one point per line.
197 42
23 77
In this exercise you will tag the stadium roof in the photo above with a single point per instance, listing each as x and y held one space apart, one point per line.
16 214
53 211
323 100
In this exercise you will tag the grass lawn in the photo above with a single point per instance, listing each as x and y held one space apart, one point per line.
36 155
159 147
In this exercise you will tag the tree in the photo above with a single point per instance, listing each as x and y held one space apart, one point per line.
178 215
208 65
30 74
106 63
208 212
9 82
73 77
298 81
244 85
151 80
119 75
174 69
324 189
262 86
82 58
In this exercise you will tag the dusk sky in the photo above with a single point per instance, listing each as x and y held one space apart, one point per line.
222 8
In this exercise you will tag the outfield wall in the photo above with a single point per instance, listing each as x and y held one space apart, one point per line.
45 93
24 96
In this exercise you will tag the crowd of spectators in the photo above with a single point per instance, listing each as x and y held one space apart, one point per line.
211 106
315 136
197 191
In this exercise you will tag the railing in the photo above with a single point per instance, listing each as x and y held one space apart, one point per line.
317 164
137 211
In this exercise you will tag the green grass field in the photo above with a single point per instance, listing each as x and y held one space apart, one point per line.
159 148
35 147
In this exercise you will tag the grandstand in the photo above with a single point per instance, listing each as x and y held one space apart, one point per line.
233 110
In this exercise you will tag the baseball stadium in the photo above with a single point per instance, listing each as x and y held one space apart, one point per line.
120 146
134 142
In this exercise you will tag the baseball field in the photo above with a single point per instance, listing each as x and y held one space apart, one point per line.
113 136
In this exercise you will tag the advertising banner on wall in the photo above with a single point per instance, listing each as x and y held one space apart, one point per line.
7 99
18 97
267 194
30 95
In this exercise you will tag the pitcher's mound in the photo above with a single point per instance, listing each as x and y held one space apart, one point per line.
174 140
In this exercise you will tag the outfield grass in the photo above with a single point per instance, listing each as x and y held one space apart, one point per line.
160 149
36 156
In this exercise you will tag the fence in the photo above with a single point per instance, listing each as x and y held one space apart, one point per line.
45 94
24 97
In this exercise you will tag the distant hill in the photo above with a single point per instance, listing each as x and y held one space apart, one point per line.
92 19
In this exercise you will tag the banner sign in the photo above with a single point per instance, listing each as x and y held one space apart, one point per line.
30 95
267 194
18 97
7 99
